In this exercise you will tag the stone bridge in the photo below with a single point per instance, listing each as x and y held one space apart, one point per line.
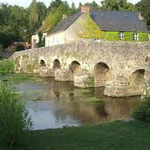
121 67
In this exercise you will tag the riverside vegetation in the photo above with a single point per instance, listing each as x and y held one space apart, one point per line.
14 121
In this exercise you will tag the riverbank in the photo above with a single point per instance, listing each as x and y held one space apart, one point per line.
118 135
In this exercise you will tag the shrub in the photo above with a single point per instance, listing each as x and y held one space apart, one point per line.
20 47
6 66
142 112
1 48
14 119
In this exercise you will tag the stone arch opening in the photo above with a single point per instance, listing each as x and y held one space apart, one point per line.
42 63
75 66
137 77
56 64
101 74
136 82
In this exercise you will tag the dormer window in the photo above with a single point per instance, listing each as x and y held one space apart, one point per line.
121 35
136 36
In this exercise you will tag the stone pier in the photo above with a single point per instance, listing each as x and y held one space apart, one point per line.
63 75
83 79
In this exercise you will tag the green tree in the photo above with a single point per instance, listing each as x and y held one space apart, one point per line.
144 7
54 4
93 5
57 10
73 9
42 12
117 5
33 16
13 22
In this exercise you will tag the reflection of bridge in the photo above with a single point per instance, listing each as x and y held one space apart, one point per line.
119 66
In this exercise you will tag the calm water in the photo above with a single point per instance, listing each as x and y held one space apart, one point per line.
57 104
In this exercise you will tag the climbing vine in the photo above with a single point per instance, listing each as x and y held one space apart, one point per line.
92 31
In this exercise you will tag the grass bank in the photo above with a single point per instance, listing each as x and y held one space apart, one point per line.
118 135
6 66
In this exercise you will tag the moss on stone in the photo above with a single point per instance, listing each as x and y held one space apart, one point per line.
29 68
17 63
35 64
25 56
90 81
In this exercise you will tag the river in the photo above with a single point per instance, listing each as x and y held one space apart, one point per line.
59 104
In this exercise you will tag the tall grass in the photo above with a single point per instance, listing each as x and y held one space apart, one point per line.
6 66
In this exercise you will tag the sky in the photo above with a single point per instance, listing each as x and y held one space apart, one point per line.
26 3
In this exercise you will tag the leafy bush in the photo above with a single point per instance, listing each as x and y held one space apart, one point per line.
14 119
6 66
20 47
142 112
1 47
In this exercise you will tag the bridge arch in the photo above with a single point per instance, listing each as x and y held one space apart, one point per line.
137 77
42 63
56 64
136 81
101 74
75 66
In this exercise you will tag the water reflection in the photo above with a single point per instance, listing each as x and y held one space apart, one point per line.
56 104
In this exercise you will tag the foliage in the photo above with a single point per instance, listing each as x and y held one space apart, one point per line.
117 5
13 22
37 13
144 7
1 47
91 31
142 112
93 5
14 118
17 24
20 47
143 36
55 15
41 40
57 9
6 66
33 16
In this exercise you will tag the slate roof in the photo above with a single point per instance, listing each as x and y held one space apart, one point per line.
66 23
118 21
108 21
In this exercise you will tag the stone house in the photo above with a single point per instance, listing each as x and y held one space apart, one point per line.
97 25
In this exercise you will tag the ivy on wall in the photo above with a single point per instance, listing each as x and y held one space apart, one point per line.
92 31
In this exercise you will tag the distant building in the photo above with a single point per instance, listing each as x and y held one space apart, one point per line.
112 26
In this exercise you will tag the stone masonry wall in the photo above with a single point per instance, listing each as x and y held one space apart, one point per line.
122 59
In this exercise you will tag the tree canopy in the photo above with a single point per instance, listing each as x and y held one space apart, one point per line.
117 5
144 7
19 24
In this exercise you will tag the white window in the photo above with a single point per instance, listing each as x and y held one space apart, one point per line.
136 36
121 35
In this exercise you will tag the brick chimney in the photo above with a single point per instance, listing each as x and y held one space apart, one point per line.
85 9
140 16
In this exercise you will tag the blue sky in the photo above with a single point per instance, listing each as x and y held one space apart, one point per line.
26 3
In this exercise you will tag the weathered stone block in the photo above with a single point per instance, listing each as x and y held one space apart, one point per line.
63 75
83 79
45 72
116 87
